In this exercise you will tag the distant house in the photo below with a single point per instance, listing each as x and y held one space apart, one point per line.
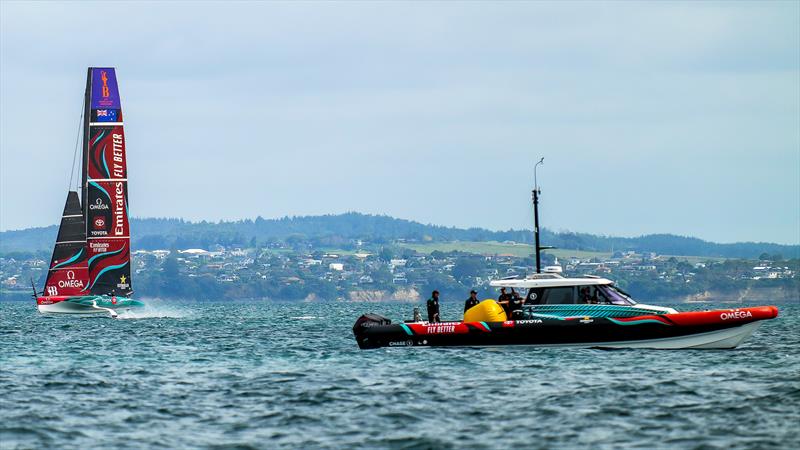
336 266
193 252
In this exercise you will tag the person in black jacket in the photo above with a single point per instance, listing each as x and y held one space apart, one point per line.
471 301
433 307
515 305
503 300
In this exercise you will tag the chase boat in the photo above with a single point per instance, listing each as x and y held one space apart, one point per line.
570 312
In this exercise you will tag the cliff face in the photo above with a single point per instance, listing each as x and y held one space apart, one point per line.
401 295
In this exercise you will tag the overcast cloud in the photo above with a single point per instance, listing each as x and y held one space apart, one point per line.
652 117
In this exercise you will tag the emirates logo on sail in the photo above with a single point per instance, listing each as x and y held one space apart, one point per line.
119 209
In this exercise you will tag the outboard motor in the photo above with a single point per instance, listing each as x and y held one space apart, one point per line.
363 324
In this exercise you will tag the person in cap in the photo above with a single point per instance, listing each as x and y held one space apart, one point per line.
433 307
503 300
472 300
515 305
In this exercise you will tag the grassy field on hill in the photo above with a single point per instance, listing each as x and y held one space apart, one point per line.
523 250
499 248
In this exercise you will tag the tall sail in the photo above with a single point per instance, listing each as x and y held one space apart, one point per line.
68 274
105 184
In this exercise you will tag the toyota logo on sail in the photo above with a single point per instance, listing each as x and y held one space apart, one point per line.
99 223
98 204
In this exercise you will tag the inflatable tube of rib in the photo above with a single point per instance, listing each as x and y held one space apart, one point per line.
485 311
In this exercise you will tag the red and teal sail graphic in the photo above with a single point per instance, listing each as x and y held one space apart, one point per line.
106 188
68 273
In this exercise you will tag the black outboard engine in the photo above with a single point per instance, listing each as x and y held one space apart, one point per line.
363 324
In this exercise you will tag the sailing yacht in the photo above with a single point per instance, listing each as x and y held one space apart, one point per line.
90 270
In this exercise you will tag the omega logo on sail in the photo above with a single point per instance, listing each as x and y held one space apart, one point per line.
70 281
98 204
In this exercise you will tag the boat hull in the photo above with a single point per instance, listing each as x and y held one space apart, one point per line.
707 329
87 305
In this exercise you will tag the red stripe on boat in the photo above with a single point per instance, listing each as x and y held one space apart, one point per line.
439 328
738 315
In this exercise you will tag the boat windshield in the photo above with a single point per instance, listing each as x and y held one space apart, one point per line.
614 295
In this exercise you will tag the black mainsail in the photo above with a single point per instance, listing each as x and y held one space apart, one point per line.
68 274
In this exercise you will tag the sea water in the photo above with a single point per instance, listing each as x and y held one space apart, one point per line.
266 375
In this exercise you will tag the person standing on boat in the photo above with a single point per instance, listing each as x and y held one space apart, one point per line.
503 300
472 300
515 305
433 307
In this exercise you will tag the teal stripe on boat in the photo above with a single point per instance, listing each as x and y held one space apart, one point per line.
408 330
485 325
636 322
578 310
547 316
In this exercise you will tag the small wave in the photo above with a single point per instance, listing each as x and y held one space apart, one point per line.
304 317
154 309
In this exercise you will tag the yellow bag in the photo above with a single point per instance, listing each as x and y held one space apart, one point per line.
485 311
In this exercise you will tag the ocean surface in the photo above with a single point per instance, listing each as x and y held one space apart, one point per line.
265 375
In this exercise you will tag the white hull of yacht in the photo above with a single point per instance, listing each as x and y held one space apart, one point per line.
74 309
720 339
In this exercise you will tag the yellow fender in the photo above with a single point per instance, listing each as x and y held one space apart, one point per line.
486 311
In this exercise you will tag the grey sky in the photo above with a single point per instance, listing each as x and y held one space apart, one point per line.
652 117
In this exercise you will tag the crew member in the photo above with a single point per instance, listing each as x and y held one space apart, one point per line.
515 305
503 299
433 307
585 297
472 300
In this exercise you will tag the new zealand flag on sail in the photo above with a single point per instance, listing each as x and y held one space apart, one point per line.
105 115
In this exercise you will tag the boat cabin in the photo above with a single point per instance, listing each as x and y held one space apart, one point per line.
553 289
550 292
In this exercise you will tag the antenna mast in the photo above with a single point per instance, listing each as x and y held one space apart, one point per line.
535 193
